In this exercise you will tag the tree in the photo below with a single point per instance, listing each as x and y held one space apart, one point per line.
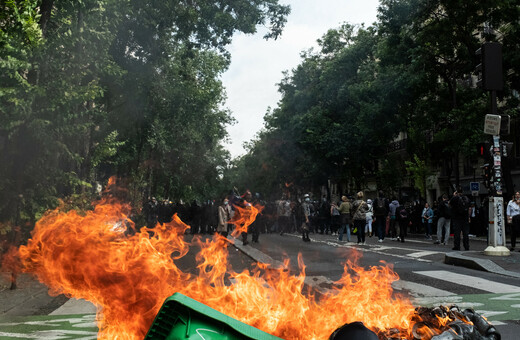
96 87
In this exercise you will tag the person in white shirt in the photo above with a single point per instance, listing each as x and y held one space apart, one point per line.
513 218
370 216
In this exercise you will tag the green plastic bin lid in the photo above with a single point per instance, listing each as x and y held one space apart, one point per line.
181 317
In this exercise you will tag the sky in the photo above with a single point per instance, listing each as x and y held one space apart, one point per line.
257 64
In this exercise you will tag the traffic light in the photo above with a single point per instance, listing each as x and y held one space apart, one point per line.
506 148
489 69
486 175
483 149
505 123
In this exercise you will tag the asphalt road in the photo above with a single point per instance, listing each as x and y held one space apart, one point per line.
424 276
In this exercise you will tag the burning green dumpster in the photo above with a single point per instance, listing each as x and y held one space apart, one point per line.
181 317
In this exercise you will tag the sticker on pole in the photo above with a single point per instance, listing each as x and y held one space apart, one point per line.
492 125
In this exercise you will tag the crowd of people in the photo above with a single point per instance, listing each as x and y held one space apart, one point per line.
352 216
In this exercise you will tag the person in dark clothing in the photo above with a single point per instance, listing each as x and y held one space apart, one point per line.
306 208
195 217
324 216
164 212
335 219
402 220
380 207
150 211
182 212
444 221
459 219
416 217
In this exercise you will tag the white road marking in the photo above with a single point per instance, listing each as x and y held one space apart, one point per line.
497 323
508 297
470 281
420 290
423 253
54 335
376 249
75 306
489 313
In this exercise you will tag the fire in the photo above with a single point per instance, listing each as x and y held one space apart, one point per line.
245 214
128 276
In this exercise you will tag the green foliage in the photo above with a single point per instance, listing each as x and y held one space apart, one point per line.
390 175
419 171
95 88
408 75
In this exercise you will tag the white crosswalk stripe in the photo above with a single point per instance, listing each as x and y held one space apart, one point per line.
428 296
423 253
470 281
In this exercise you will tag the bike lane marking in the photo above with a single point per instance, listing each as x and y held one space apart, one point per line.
49 327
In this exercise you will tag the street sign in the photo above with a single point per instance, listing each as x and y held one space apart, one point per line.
474 186
492 125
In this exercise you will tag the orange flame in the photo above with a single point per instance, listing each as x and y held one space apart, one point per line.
245 215
129 276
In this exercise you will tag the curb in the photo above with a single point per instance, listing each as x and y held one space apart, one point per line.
461 260
255 254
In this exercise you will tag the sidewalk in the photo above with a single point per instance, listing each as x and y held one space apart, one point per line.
475 258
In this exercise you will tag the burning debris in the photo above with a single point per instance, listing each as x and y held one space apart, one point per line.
129 276
443 323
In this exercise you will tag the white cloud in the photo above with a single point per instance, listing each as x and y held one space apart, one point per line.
257 64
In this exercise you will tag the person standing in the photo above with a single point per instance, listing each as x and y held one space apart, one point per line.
344 213
459 219
306 208
443 223
223 218
392 207
150 210
360 218
280 215
285 217
473 218
324 215
403 221
335 221
380 207
427 220
513 217
370 215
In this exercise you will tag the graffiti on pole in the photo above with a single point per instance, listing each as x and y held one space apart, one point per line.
498 208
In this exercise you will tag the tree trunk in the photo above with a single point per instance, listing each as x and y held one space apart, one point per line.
45 11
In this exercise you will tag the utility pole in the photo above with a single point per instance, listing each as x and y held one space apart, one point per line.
491 79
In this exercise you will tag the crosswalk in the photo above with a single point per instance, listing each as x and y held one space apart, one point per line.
499 301
502 303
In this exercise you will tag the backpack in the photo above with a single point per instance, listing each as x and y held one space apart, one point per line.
403 214
445 209
380 207
463 205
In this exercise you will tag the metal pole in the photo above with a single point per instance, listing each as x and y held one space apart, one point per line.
497 234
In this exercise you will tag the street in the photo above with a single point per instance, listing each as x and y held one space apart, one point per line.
30 313
424 276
